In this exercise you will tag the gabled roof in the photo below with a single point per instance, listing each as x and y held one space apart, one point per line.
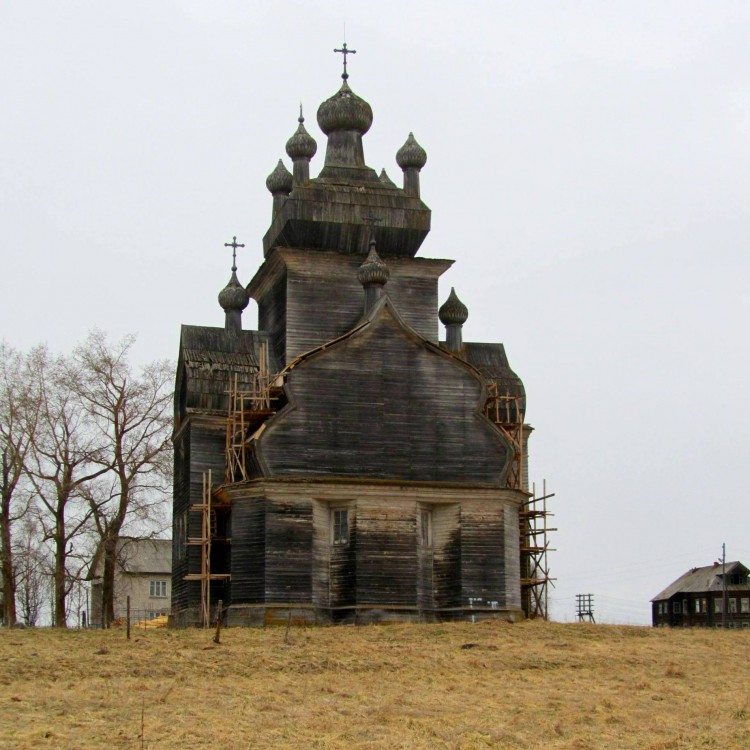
208 357
705 579
137 556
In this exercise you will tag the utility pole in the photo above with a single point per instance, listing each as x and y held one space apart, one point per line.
585 607
724 585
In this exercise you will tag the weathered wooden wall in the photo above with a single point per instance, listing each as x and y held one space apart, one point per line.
284 558
306 298
380 404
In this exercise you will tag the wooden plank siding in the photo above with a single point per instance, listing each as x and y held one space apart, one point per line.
288 543
483 553
386 552
380 404
249 550
446 575
295 289
283 554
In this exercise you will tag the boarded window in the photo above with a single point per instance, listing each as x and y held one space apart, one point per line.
340 526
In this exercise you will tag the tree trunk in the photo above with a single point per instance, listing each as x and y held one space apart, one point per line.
9 579
108 581
60 575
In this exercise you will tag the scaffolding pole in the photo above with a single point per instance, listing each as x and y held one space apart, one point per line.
207 510
507 413
535 577
247 410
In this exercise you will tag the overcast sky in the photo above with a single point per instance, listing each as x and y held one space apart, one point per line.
588 169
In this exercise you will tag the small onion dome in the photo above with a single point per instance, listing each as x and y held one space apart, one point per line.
374 270
280 180
453 311
301 145
344 111
411 154
234 296
385 179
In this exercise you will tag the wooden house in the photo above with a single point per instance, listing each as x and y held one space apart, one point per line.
712 596
361 468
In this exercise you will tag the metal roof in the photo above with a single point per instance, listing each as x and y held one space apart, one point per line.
705 579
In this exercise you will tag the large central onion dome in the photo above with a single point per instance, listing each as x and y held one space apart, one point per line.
345 111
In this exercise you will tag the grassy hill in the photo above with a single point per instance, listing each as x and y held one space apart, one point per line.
489 685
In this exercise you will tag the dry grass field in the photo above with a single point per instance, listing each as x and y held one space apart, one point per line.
489 685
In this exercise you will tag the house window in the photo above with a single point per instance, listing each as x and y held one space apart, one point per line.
340 527
425 527
157 589
701 606
676 608
732 606
718 605
745 605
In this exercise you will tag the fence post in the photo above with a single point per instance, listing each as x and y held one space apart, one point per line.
128 615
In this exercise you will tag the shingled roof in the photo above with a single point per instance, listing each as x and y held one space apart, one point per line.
699 580
208 357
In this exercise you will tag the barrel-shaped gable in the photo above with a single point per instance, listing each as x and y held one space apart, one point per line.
384 403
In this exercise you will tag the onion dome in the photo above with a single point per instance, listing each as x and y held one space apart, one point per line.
453 311
234 296
374 270
280 180
385 179
411 154
345 111
301 145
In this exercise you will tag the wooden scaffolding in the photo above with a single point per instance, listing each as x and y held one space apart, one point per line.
209 515
507 412
535 578
247 411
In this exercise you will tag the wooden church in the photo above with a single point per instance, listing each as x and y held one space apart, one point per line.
344 463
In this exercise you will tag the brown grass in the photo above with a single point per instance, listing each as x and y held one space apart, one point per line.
532 685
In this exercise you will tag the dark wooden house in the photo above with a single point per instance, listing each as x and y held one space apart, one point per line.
712 596
361 469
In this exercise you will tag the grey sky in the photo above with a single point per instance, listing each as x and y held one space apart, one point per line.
588 169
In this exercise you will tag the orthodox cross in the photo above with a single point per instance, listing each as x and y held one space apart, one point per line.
372 221
234 245
345 51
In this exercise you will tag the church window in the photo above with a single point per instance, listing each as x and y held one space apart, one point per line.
425 527
340 526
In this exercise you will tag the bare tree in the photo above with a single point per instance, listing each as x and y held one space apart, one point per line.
131 413
64 456
18 418
33 569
